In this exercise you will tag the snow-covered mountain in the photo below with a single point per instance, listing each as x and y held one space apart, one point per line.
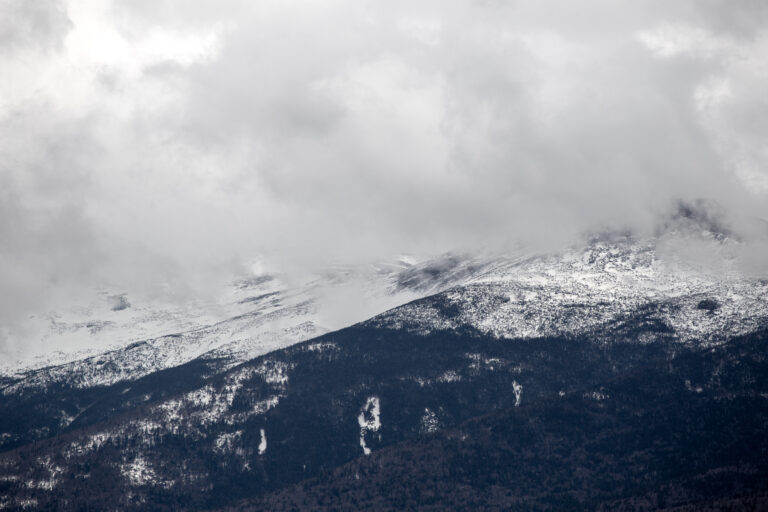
588 288
253 316
282 390
595 288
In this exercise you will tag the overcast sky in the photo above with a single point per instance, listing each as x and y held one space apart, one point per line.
173 141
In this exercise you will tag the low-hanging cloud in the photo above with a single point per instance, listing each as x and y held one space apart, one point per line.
169 142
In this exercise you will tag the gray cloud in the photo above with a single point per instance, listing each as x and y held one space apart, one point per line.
39 25
170 142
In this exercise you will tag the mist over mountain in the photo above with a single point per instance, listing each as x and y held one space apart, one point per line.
348 255
610 376
164 147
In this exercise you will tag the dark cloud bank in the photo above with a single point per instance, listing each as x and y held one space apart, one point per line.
169 142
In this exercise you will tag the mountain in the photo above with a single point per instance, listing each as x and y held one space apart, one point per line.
617 375
593 290
643 440
255 316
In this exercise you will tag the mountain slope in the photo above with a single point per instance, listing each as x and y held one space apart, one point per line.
268 315
648 440
594 289
607 335
301 411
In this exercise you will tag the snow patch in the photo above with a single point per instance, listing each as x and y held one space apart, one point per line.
692 388
480 362
369 420
265 405
138 472
321 347
421 381
449 376
262 442
597 395
96 441
429 421
517 388
273 372
227 442
45 484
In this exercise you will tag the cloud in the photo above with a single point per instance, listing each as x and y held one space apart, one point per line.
37 25
172 142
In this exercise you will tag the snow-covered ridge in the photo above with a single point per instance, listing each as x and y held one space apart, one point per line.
585 289
256 316
596 288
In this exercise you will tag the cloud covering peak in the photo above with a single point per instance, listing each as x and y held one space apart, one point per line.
170 142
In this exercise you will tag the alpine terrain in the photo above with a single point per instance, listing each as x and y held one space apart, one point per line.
625 373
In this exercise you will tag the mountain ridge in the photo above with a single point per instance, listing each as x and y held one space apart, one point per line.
499 334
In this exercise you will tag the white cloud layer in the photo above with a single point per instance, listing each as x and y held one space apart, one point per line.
168 142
